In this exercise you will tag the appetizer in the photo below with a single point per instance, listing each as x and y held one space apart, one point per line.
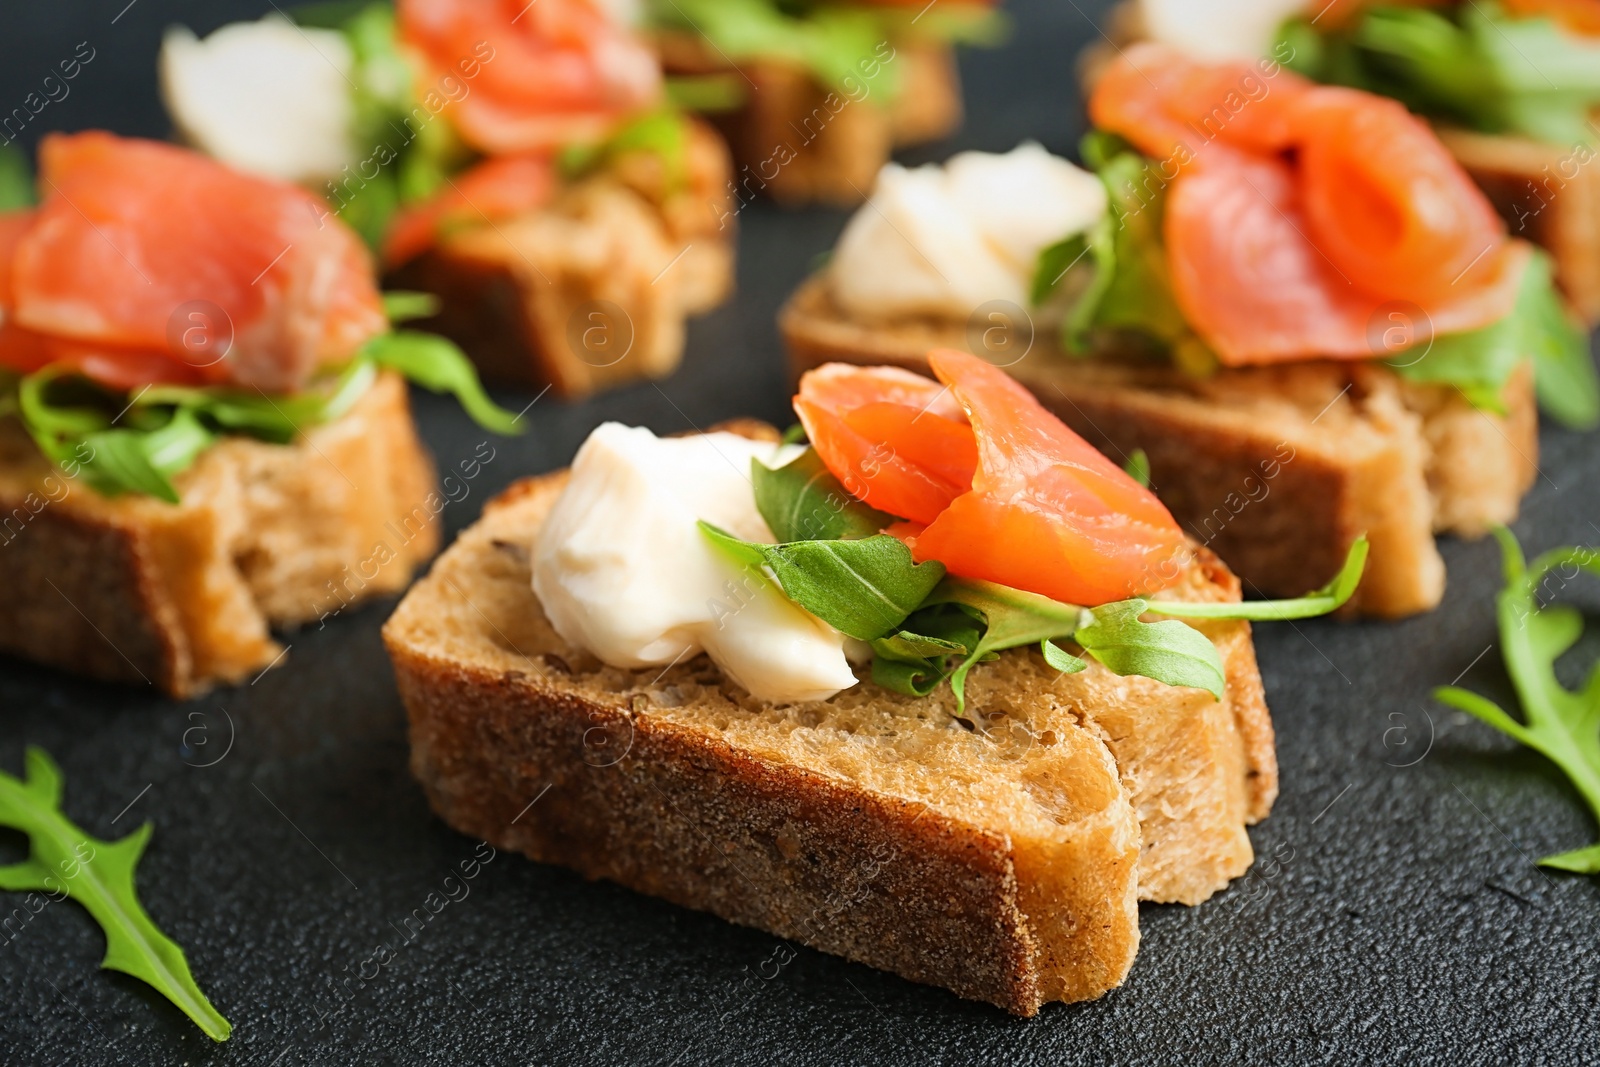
1309 318
519 161
813 96
204 426
1513 88
946 692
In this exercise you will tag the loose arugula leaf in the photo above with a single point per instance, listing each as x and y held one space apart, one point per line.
1062 661
99 875
1479 362
438 365
400 305
1329 598
931 644
1011 618
1138 467
1561 723
862 588
16 180
802 501
1054 262
1171 651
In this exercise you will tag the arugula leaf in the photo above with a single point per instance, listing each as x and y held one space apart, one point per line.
1473 65
931 643
803 501
1130 291
16 180
1012 618
402 305
99 875
706 92
439 366
1479 362
1171 651
1062 661
1138 467
663 132
838 45
1330 597
1561 723
863 588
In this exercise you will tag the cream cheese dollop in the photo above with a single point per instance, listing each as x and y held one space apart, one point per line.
1216 30
266 97
622 569
941 241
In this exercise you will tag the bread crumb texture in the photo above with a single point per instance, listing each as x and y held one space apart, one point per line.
183 597
1000 855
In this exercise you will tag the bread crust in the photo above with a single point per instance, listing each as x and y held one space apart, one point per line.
593 290
1277 469
526 742
184 597
800 141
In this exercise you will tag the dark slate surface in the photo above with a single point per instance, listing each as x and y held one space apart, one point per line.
1395 915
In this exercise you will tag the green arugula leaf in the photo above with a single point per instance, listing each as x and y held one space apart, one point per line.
663 132
932 643
99 875
16 180
1131 291
1479 362
400 305
439 366
1171 651
1329 598
862 588
1138 467
1473 65
802 501
1062 661
1011 617
706 92
839 45
1561 723
1054 262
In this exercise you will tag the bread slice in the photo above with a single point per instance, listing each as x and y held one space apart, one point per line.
800 141
593 290
1278 469
1000 856
183 597
1547 193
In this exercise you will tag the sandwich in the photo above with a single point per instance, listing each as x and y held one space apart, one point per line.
1512 87
204 425
1308 318
811 96
519 162
944 691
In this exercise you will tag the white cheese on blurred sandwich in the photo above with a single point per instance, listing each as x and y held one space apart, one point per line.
622 569
267 97
941 241
1218 29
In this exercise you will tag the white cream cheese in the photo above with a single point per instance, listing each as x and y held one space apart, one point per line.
942 241
1218 29
267 97
622 569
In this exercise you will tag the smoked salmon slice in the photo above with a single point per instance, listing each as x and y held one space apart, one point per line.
514 76
1299 215
1041 509
150 263
498 188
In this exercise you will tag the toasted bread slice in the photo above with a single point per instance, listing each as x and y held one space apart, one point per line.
999 856
1277 469
1548 193
593 290
183 597
800 141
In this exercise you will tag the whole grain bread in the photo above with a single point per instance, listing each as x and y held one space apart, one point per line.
594 289
1278 469
186 596
800 141
1000 855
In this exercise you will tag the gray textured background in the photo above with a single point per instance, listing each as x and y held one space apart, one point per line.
1402 920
